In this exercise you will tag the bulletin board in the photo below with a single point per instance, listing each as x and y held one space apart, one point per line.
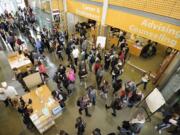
101 41
155 100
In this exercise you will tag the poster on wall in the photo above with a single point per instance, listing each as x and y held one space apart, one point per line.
56 16
101 42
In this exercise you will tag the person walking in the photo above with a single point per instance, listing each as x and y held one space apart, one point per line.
80 125
116 104
107 61
83 72
83 103
91 60
92 94
75 53
104 89
99 76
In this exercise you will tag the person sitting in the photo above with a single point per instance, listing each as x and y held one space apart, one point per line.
149 49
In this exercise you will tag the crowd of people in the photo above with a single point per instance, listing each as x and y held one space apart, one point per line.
83 59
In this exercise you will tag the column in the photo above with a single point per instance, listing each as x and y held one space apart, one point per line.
102 30
65 13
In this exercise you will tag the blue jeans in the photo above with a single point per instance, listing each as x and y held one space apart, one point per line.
163 126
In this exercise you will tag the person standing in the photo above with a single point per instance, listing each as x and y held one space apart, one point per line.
7 94
164 124
137 123
144 80
84 45
68 51
42 71
117 84
107 61
11 40
83 72
80 125
59 50
75 53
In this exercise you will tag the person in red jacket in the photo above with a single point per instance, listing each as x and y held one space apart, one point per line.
42 71
97 66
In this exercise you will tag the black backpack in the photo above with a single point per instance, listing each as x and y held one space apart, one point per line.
92 59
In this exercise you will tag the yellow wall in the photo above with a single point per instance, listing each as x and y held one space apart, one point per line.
170 8
160 32
57 4
85 10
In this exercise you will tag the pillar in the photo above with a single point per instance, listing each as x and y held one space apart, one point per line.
102 31
170 81
65 14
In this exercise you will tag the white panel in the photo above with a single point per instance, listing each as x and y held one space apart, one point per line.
155 100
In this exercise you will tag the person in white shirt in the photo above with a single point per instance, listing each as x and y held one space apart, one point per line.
7 93
137 123
144 80
75 54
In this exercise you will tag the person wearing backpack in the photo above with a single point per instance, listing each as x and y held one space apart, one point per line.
107 60
80 125
83 73
91 59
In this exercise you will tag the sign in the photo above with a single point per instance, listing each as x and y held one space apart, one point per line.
155 100
163 33
101 42
85 10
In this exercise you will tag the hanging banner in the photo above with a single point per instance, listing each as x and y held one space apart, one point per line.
163 33
85 10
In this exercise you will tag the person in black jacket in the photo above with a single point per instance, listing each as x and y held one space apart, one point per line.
116 104
164 124
59 51
80 125
117 84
